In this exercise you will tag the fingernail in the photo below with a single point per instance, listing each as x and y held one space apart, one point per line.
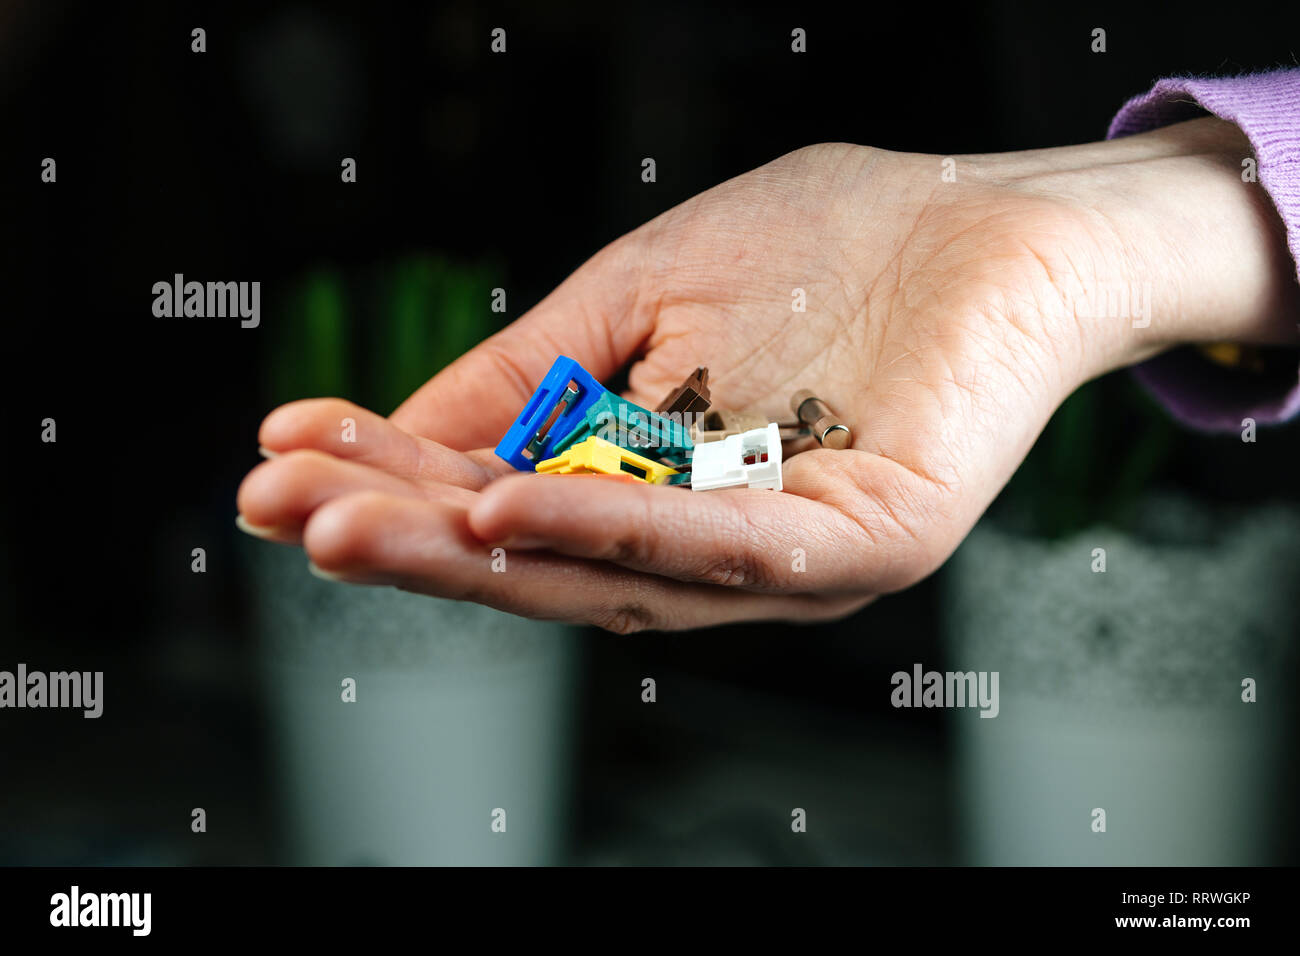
256 530
323 574
266 452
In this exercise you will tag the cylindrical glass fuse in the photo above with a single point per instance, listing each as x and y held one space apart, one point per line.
826 427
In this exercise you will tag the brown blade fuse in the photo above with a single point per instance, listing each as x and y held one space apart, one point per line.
691 397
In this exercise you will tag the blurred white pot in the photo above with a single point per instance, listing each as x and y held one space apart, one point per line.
460 711
1123 690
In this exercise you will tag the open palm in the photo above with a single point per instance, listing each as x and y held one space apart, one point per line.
938 324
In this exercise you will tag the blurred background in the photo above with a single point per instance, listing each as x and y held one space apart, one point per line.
1119 690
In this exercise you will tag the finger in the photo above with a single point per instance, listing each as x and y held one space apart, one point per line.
349 431
426 546
276 498
592 317
834 540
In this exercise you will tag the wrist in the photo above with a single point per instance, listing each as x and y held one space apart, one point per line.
1198 252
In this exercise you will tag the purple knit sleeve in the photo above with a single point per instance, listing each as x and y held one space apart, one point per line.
1266 106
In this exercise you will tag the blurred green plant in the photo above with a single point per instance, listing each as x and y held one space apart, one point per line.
309 353
1098 456
376 336
430 312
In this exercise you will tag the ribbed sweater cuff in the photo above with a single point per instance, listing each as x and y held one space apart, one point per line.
1266 106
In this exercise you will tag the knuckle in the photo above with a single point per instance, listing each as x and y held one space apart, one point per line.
626 618
750 565
630 547
638 543
738 570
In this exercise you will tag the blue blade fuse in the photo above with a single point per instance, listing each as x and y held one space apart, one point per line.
558 407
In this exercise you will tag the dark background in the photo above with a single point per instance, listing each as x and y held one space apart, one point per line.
226 165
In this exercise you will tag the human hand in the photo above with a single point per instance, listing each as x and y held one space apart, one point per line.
943 324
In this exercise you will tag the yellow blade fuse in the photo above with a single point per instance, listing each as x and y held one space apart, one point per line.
596 456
